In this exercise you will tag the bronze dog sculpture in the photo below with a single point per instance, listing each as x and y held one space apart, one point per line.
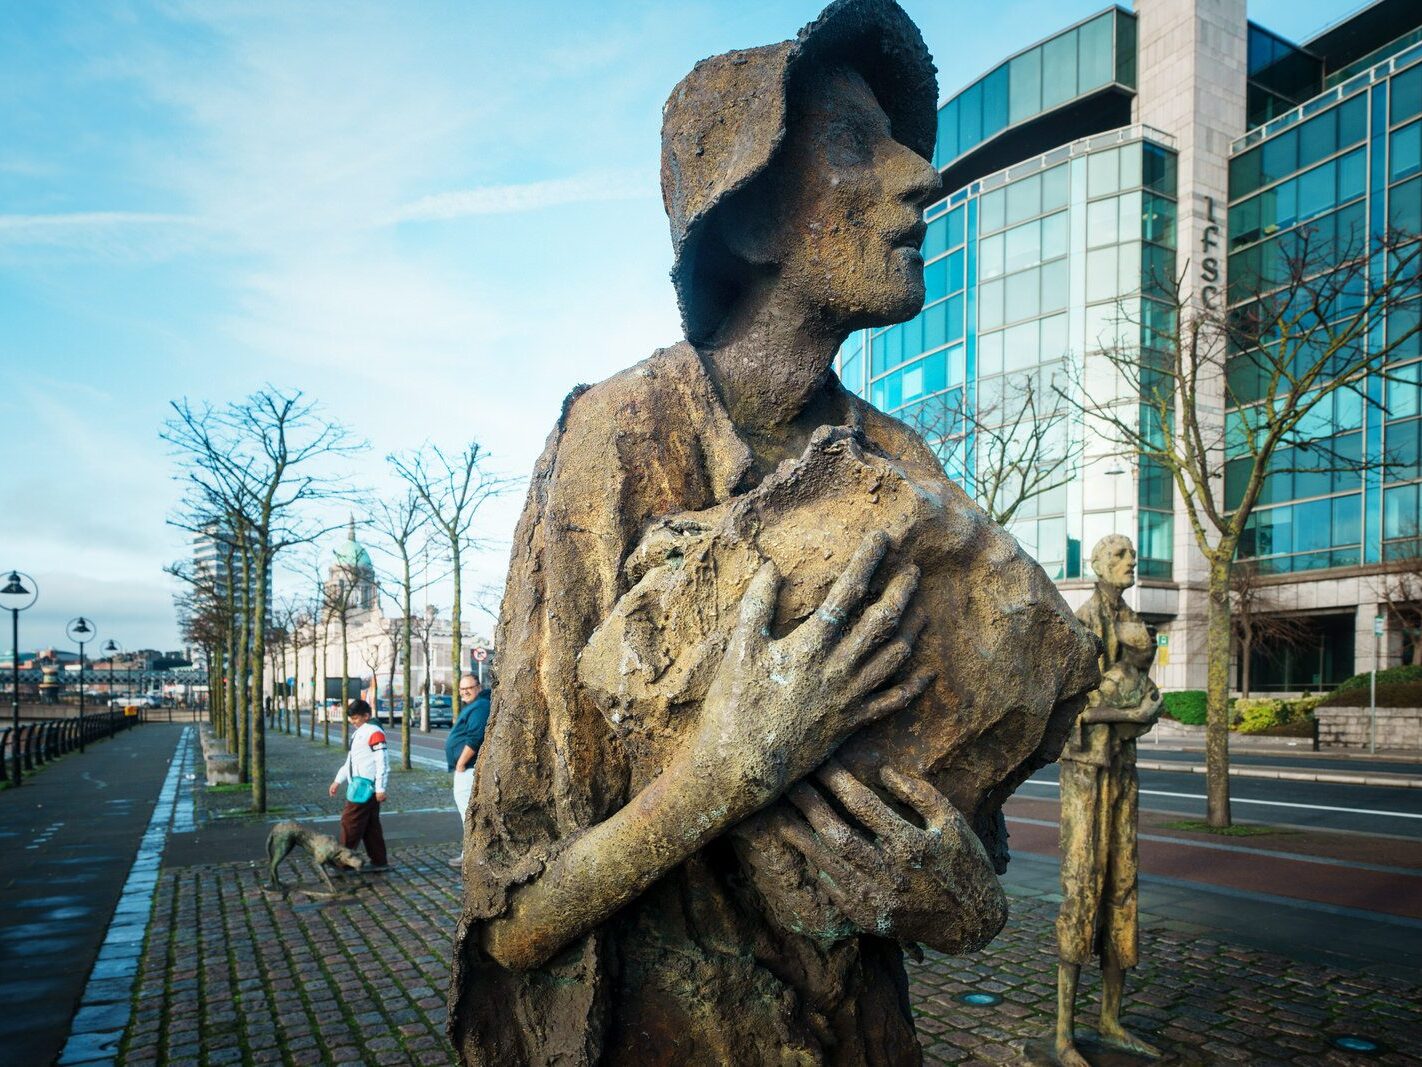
323 848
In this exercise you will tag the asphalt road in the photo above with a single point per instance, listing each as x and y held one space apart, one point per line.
1301 760
1316 805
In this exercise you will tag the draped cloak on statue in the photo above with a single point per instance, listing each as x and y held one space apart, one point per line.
695 970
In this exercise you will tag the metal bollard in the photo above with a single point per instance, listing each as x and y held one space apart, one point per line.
5 756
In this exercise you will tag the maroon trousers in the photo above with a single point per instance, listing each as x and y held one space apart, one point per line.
360 825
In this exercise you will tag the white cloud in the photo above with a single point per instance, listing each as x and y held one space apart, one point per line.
40 227
526 196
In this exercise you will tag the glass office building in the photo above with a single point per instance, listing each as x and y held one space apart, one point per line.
1079 176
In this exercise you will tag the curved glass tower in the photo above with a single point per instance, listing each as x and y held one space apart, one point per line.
1092 182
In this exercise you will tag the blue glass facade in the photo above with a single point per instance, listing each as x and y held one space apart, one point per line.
1026 270
1086 58
1337 173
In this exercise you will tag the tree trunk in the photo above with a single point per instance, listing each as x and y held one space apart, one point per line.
244 666
456 653
296 677
1217 812
229 675
325 666
259 668
407 678
1246 655
345 686
215 713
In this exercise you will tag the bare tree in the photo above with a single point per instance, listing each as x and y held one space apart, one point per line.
204 622
452 489
372 654
338 605
1258 620
297 622
1021 440
1295 336
423 626
1400 589
260 464
398 524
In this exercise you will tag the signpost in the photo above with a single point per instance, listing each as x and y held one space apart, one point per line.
1373 686
480 655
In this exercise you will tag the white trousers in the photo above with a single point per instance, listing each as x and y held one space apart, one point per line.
463 790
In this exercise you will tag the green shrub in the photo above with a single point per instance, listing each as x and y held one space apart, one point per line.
1186 705
1385 677
1390 695
1258 715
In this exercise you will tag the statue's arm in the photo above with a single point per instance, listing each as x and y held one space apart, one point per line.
1143 714
775 710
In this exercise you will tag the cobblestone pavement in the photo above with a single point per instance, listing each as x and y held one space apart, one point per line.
299 770
231 975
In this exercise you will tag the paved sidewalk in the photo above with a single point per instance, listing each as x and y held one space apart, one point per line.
299 770
231 975
69 836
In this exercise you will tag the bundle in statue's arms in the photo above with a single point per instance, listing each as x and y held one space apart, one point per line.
1012 668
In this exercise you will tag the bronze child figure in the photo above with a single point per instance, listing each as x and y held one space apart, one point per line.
1099 807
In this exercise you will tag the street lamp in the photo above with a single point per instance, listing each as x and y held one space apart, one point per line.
111 649
81 631
16 598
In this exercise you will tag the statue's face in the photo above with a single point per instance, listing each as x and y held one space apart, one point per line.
1118 567
847 204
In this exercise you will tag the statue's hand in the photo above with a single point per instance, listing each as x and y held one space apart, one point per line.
778 708
931 884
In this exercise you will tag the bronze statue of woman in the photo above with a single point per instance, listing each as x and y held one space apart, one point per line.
609 917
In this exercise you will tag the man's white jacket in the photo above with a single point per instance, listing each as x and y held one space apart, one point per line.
367 758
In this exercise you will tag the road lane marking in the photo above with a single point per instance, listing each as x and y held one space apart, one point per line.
1266 803
1220 846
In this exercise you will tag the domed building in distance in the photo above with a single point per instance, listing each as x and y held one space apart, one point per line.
351 585
350 601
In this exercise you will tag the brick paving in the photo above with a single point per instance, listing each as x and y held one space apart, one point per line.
232 975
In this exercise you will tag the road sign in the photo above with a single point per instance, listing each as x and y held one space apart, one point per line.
480 655
1162 640
1377 625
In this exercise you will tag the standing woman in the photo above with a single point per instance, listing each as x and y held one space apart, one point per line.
364 774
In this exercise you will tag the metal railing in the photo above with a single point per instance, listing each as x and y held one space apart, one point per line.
37 742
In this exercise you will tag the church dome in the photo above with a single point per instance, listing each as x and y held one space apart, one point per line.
352 553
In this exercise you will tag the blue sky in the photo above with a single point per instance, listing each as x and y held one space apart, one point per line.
434 217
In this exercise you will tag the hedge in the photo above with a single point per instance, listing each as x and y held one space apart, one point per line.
1385 677
1390 694
1186 705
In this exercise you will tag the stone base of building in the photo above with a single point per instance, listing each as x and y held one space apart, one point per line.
1397 728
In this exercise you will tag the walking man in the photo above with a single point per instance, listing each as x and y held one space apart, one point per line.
462 746
364 774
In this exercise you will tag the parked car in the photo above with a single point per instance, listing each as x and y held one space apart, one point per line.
441 710
137 700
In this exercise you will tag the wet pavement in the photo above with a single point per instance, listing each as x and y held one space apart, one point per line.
70 835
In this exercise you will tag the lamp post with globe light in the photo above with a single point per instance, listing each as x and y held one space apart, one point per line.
112 649
81 631
16 596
